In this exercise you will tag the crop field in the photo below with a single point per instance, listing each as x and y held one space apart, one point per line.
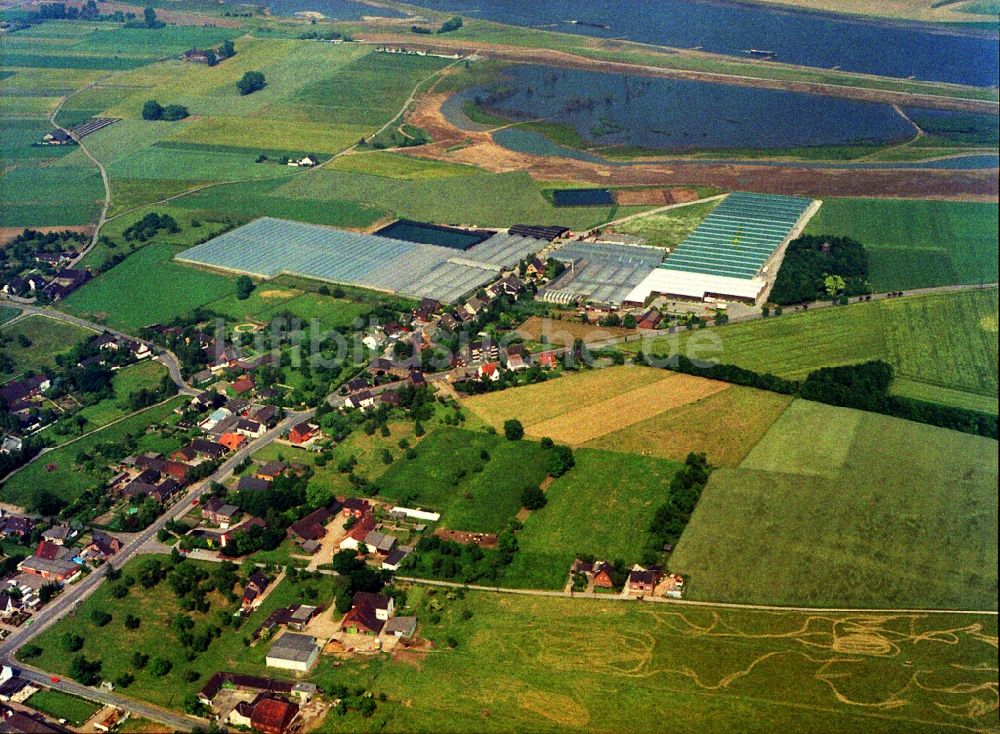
947 339
724 426
267 302
474 479
486 199
580 408
603 506
393 165
915 244
570 665
48 338
50 196
146 288
668 228
868 511
58 471
564 333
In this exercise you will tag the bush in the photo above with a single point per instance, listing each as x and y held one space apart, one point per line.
244 287
513 430
251 82
533 498
70 642
100 617
132 622
160 667
152 110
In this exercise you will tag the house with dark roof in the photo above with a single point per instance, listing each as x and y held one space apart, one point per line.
273 715
104 544
302 432
356 506
271 470
210 449
253 484
642 581
250 428
254 590
312 526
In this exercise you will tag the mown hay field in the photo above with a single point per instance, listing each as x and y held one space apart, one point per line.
565 333
841 508
724 425
587 665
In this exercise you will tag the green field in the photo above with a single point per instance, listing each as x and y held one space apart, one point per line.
917 244
947 340
60 472
668 228
48 339
61 705
544 664
602 506
450 475
870 511
148 287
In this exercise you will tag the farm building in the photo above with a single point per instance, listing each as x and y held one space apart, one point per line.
731 253
293 652
268 247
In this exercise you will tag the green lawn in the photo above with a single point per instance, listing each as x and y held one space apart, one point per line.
61 705
545 664
60 471
450 475
48 338
868 511
146 288
947 340
915 244
668 228
603 506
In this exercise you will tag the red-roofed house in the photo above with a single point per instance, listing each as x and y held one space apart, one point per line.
232 441
243 384
547 360
273 716
302 432
490 371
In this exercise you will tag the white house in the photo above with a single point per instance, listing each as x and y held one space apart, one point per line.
490 370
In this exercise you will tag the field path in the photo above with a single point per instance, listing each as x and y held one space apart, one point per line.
686 602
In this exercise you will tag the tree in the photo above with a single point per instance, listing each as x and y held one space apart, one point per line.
533 498
251 82
149 15
227 49
244 287
173 112
87 672
132 622
124 680
30 651
48 591
834 284
160 667
513 429
139 660
100 617
560 460
152 110
71 642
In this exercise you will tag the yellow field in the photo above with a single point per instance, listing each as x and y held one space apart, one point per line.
565 333
586 424
724 425
537 403
585 406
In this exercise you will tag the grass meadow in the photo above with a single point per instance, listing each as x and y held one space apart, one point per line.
947 340
837 507
603 506
64 472
917 244
668 228
61 705
146 288
47 338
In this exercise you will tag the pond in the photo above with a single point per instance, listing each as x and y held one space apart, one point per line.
682 115
823 40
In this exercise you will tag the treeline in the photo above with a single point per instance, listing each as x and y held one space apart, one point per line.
452 24
818 267
863 386
672 517
87 11
866 387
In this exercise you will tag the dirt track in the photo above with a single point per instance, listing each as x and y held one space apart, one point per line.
478 148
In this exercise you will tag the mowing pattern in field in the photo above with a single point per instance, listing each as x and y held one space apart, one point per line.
724 426
947 340
917 244
588 405
583 665
836 507
603 506
268 247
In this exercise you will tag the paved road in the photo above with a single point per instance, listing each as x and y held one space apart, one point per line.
76 593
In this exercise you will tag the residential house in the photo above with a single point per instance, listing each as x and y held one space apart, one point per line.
379 542
219 512
489 371
547 360
272 715
368 614
58 534
356 507
302 432
17 525
10 605
357 385
250 428
196 55
312 526
226 537
52 552
254 590
232 441
209 449
243 385
649 320
177 470
254 484
642 581
402 627
104 544
395 557
383 605
271 470
267 415
362 401
57 570
358 532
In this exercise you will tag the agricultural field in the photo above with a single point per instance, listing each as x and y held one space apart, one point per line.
267 302
917 244
869 511
394 165
474 479
46 339
146 288
565 332
573 664
724 426
669 228
581 408
61 705
602 506
61 472
947 340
